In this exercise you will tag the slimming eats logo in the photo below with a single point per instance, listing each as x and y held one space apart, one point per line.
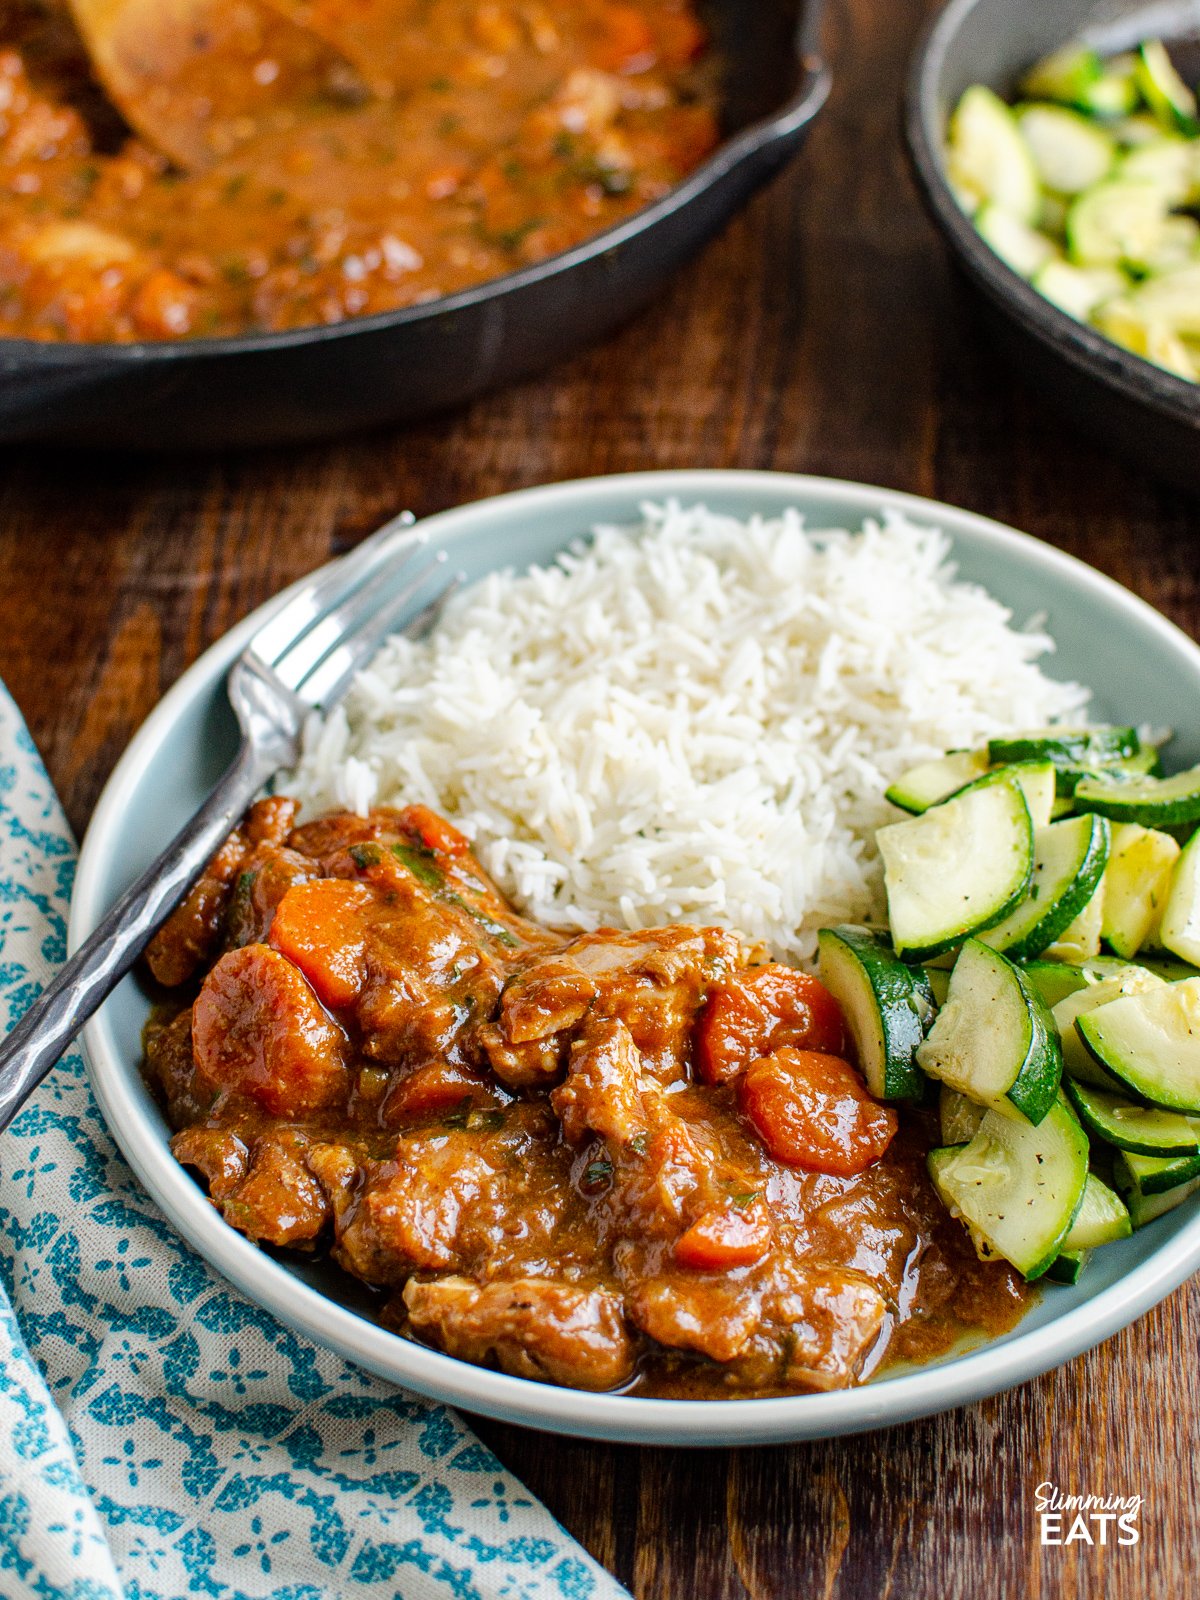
1086 1518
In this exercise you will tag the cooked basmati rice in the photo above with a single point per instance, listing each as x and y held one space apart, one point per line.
693 720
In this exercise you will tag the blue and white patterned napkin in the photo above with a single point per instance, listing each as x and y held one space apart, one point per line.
160 1437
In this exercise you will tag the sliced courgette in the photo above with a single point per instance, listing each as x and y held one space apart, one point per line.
1151 1042
1146 1130
1080 940
1066 746
939 983
988 158
1154 802
959 867
1069 859
1079 290
1102 1217
1119 220
1155 1174
1066 76
1171 298
1023 248
958 1116
994 1040
1067 1266
923 786
1037 780
1055 980
1180 926
1144 1208
1017 1186
1071 152
1128 980
1163 90
1170 164
1143 763
887 1007
1136 884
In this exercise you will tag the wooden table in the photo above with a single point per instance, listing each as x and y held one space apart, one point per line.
821 333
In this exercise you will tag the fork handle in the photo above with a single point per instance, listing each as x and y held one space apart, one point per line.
90 976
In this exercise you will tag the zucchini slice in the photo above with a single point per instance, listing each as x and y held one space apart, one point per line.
925 785
1143 1207
1069 859
1170 164
1146 1130
939 983
1146 1208
1136 885
1067 1266
1079 290
887 1007
1016 1186
1180 926
1055 980
994 1040
988 158
1071 152
1119 220
1037 781
1066 746
1156 1174
1143 763
1154 802
961 866
1151 1042
958 1116
1171 298
1080 940
1026 250
1163 90
1102 1217
1066 76
1076 1060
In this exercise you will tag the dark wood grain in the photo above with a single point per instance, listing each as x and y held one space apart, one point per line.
823 332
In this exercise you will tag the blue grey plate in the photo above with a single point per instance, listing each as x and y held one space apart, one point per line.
1141 668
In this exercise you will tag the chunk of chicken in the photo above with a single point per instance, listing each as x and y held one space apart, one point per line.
265 1190
455 1198
654 982
531 1327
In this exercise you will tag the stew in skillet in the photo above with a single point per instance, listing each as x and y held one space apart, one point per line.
216 167
612 1160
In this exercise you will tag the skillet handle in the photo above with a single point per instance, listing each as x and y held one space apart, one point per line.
90 976
816 75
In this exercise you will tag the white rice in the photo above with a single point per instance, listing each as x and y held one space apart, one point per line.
689 721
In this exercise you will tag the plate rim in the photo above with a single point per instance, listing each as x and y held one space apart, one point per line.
962 1380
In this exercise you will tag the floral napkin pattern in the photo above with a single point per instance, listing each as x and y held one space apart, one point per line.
162 1438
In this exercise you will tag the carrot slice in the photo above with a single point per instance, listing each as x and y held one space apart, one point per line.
436 1087
434 832
259 1030
813 1111
626 42
735 1237
760 1010
319 927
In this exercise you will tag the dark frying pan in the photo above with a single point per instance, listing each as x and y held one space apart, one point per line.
313 382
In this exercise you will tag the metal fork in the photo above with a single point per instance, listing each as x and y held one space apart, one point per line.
302 659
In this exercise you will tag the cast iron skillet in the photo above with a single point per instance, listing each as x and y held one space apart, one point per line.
398 365
1136 407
